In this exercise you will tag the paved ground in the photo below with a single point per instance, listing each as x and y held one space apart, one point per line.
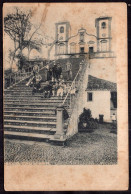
99 147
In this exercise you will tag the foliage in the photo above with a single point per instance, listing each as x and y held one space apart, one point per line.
86 115
17 25
22 61
86 122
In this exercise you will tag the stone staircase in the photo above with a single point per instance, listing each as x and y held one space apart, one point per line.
27 116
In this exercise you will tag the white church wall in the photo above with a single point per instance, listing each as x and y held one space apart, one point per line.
89 41
103 30
63 35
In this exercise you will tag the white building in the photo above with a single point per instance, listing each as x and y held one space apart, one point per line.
101 97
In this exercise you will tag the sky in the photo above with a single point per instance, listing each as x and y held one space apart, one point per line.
47 14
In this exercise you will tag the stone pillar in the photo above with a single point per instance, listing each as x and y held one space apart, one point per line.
59 126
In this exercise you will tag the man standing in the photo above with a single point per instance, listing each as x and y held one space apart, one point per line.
54 71
59 71
69 70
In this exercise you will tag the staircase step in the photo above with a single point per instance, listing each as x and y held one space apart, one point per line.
40 109
43 101
26 136
15 113
14 89
30 118
32 98
29 129
30 123
18 92
31 105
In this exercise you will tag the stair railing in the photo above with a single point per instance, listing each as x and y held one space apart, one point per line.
17 77
70 98
69 103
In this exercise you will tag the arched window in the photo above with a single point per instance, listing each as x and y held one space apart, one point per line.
82 37
72 47
61 29
103 25
104 45
61 48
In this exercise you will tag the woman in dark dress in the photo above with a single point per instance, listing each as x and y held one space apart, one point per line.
58 72
49 74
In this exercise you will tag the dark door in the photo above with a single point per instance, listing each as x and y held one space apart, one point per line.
91 50
81 49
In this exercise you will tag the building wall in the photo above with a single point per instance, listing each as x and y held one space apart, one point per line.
103 68
105 30
67 45
64 34
89 41
99 105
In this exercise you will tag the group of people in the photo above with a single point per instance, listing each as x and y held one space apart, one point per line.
55 88
53 71
54 84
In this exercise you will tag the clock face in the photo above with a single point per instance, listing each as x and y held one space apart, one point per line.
104 35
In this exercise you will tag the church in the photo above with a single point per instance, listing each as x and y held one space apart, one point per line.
96 45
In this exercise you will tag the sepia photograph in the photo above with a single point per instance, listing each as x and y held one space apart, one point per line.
60 83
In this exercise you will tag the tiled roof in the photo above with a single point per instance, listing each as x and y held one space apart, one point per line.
95 83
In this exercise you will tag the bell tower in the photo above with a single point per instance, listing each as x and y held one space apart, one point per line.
62 35
103 33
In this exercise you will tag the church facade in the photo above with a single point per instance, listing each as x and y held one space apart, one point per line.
97 46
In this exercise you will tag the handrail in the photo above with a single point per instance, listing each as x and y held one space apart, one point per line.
18 76
80 72
70 99
14 73
71 86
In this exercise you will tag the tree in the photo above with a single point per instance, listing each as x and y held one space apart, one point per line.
33 44
18 26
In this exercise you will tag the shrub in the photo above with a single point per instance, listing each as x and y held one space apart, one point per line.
86 122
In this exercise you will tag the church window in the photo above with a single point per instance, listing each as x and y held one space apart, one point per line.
61 29
81 37
82 49
104 45
61 49
72 48
103 25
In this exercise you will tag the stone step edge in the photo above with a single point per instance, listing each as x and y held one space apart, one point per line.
33 117
25 134
29 128
33 99
34 104
29 122
25 112
43 108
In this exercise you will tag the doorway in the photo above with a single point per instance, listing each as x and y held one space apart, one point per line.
91 50
82 49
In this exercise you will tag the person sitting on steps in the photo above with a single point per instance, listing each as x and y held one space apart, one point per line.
36 83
